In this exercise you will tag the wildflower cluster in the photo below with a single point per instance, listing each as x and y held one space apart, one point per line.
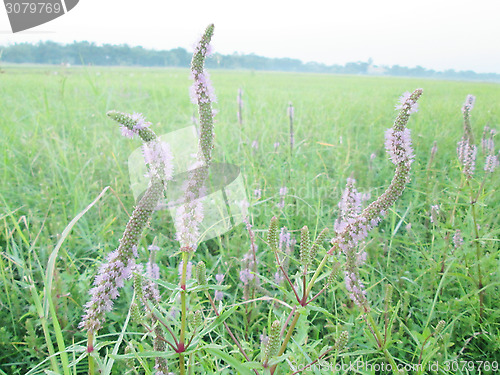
249 269
466 149
488 146
349 205
202 93
302 276
121 262
405 102
467 157
190 215
159 158
149 287
110 278
398 145
132 125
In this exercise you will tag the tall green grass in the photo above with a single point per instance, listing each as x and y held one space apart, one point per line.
59 152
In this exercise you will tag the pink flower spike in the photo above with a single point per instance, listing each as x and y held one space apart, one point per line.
406 101
470 100
126 132
491 163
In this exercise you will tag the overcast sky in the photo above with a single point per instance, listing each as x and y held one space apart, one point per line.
436 34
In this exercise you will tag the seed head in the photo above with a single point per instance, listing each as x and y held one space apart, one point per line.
333 274
132 125
439 327
341 342
273 343
135 313
272 234
388 296
196 319
201 273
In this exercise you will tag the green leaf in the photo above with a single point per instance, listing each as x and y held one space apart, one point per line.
49 276
317 308
254 365
279 359
217 321
230 360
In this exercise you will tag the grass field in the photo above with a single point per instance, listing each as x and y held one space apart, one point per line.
59 151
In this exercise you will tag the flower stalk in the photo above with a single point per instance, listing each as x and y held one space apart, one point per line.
353 226
190 214
121 262
356 227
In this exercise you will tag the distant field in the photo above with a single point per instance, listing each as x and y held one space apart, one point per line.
58 150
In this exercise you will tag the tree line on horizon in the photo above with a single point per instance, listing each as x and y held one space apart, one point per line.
87 53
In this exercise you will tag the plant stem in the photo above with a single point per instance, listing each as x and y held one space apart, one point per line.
288 320
180 346
452 216
59 338
478 257
182 365
90 348
287 338
286 276
422 349
480 188
316 275
297 313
